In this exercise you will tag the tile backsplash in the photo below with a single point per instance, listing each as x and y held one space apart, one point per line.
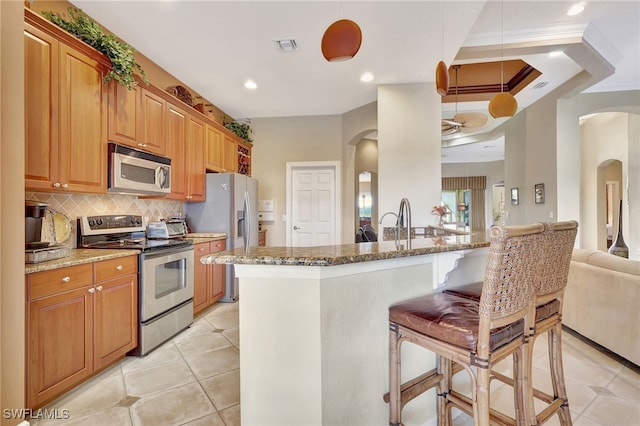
74 205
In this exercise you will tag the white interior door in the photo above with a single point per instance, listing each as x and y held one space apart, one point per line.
312 204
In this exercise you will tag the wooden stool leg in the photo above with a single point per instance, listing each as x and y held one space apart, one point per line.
481 397
557 373
522 385
395 407
443 366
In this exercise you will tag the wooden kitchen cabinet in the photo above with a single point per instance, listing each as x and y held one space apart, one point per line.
229 154
186 148
209 278
79 320
218 271
214 149
196 160
116 309
244 157
176 150
65 112
124 120
153 113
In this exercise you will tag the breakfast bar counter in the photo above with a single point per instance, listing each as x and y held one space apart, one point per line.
314 325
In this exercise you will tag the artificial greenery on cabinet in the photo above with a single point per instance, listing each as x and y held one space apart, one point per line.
121 54
242 130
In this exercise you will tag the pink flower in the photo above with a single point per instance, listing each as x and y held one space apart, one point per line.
438 210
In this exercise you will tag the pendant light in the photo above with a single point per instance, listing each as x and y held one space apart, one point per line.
503 104
442 72
342 40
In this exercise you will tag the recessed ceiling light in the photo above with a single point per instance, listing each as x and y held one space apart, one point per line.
366 77
575 9
250 84
555 53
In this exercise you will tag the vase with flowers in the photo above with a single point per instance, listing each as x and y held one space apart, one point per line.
441 211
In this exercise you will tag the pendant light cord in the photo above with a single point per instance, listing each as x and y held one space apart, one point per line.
501 46
456 68
442 25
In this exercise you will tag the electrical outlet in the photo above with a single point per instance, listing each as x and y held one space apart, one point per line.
550 215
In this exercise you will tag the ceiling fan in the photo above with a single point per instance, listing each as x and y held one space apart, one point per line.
464 121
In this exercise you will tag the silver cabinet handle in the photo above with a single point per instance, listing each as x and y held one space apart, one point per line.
65 185
92 290
56 185
119 268
99 288
66 279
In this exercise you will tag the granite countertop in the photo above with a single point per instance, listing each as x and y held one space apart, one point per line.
77 257
346 253
205 237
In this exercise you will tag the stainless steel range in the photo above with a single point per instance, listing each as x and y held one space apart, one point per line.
165 274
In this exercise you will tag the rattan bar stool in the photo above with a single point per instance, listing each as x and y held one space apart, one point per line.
550 286
473 335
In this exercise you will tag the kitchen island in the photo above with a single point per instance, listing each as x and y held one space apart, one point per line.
314 325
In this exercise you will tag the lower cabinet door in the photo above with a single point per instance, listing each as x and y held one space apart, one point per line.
218 272
201 279
60 345
116 319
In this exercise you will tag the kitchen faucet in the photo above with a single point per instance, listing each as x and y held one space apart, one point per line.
404 211
405 208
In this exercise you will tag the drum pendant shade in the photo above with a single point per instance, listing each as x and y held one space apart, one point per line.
503 105
442 78
341 41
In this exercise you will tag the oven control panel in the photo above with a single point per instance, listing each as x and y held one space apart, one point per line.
110 224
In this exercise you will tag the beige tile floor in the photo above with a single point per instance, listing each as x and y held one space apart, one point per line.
194 379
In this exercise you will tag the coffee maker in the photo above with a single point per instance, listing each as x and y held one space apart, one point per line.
34 214
41 239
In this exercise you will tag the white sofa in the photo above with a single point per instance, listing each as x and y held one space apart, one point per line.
602 301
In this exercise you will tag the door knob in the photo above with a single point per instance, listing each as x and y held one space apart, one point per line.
295 228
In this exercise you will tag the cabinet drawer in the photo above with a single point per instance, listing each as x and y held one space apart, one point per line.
200 250
216 246
115 268
45 283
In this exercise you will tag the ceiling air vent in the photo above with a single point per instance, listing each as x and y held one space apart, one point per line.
287 45
540 85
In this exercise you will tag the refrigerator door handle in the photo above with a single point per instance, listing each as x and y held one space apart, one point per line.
247 222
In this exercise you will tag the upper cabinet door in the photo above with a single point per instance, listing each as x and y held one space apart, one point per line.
196 160
177 151
83 122
153 112
41 109
65 113
214 139
124 115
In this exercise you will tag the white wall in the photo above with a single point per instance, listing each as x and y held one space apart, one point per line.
282 140
12 293
409 149
606 137
569 171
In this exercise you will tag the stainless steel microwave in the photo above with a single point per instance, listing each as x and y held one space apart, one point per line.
132 171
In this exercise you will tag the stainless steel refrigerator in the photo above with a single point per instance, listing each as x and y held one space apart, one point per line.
231 206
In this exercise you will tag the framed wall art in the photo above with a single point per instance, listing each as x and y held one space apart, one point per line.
515 200
539 193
